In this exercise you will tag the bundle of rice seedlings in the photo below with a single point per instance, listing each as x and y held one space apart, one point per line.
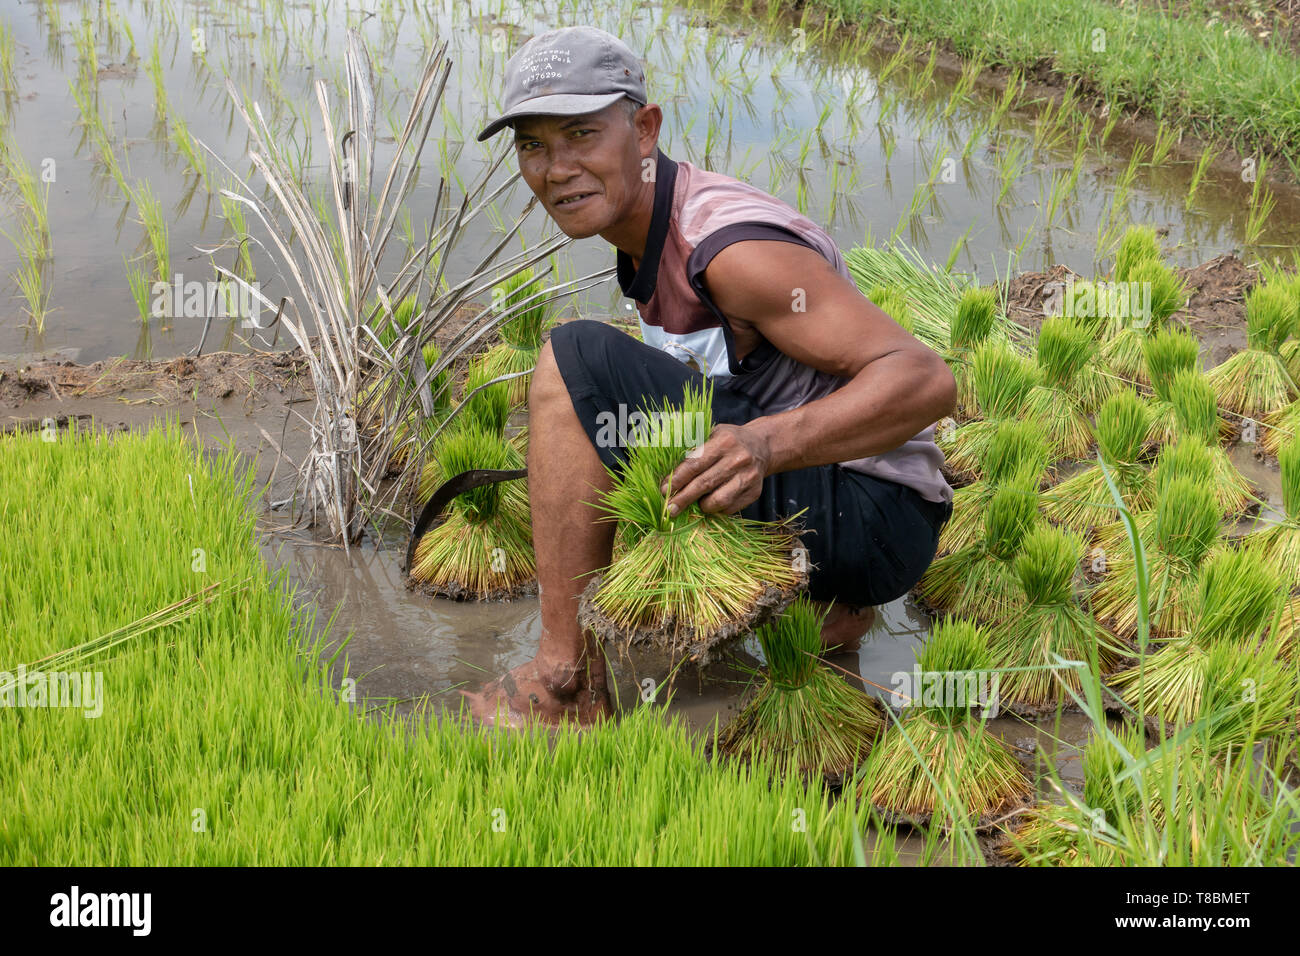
1002 380
1289 285
978 581
941 760
1016 453
1123 351
931 293
1138 244
1255 382
1188 459
1184 532
1197 419
1237 596
1065 348
1050 624
1279 542
521 335
1280 427
804 717
1165 354
1083 500
483 548
1087 305
894 304
1065 834
405 443
976 316
687 583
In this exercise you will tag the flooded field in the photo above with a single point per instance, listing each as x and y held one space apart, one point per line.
117 104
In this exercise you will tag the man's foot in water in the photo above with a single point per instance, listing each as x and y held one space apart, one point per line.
845 626
538 692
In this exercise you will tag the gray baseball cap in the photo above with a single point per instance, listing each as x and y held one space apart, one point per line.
568 72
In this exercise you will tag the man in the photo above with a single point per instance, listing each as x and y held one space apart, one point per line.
823 402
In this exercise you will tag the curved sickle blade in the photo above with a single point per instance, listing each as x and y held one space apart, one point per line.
465 481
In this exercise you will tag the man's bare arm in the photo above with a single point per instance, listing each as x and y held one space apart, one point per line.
898 386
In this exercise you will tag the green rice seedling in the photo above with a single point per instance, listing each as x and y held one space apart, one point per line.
483 548
1082 501
1050 623
1003 381
1016 454
155 70
1184 532
1260 207
1237 596
1198 175
1123 351
30 282
690 582
1056 834
1188 459
521 335
1165 353
256 730
8 84
155 226
806 718
1138 245
931 293
1254 382
978 581
940 760
1279 542
233 213
486 405
972 324
140 285
1065 348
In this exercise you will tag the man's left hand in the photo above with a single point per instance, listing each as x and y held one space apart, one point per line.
724 474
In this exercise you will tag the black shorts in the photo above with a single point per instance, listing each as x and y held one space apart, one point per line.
868 540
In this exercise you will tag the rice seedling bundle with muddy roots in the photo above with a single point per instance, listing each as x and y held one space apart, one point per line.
1255 382
1238 599
687 584
940 758
804 717
1042 648
482 549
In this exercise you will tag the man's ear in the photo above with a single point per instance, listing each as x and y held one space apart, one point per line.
649 120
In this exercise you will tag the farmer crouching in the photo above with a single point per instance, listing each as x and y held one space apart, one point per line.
826 404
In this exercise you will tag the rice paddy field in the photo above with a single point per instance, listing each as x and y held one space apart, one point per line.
1106 258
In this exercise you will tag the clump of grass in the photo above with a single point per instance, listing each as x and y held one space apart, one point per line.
941 758
1003 380
155 226
1123 351
804 717
1050 624
1065 348
1237 596
1016 453
686 583
1082 501
522 335
483 548
1183 533
978 581
138 280
1255 382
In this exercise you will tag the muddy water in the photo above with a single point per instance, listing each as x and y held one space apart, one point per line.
737 97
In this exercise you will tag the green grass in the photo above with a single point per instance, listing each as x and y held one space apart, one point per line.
221 718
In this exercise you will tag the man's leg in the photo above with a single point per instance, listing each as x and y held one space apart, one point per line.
567 677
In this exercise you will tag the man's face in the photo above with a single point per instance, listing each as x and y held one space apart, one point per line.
586 170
